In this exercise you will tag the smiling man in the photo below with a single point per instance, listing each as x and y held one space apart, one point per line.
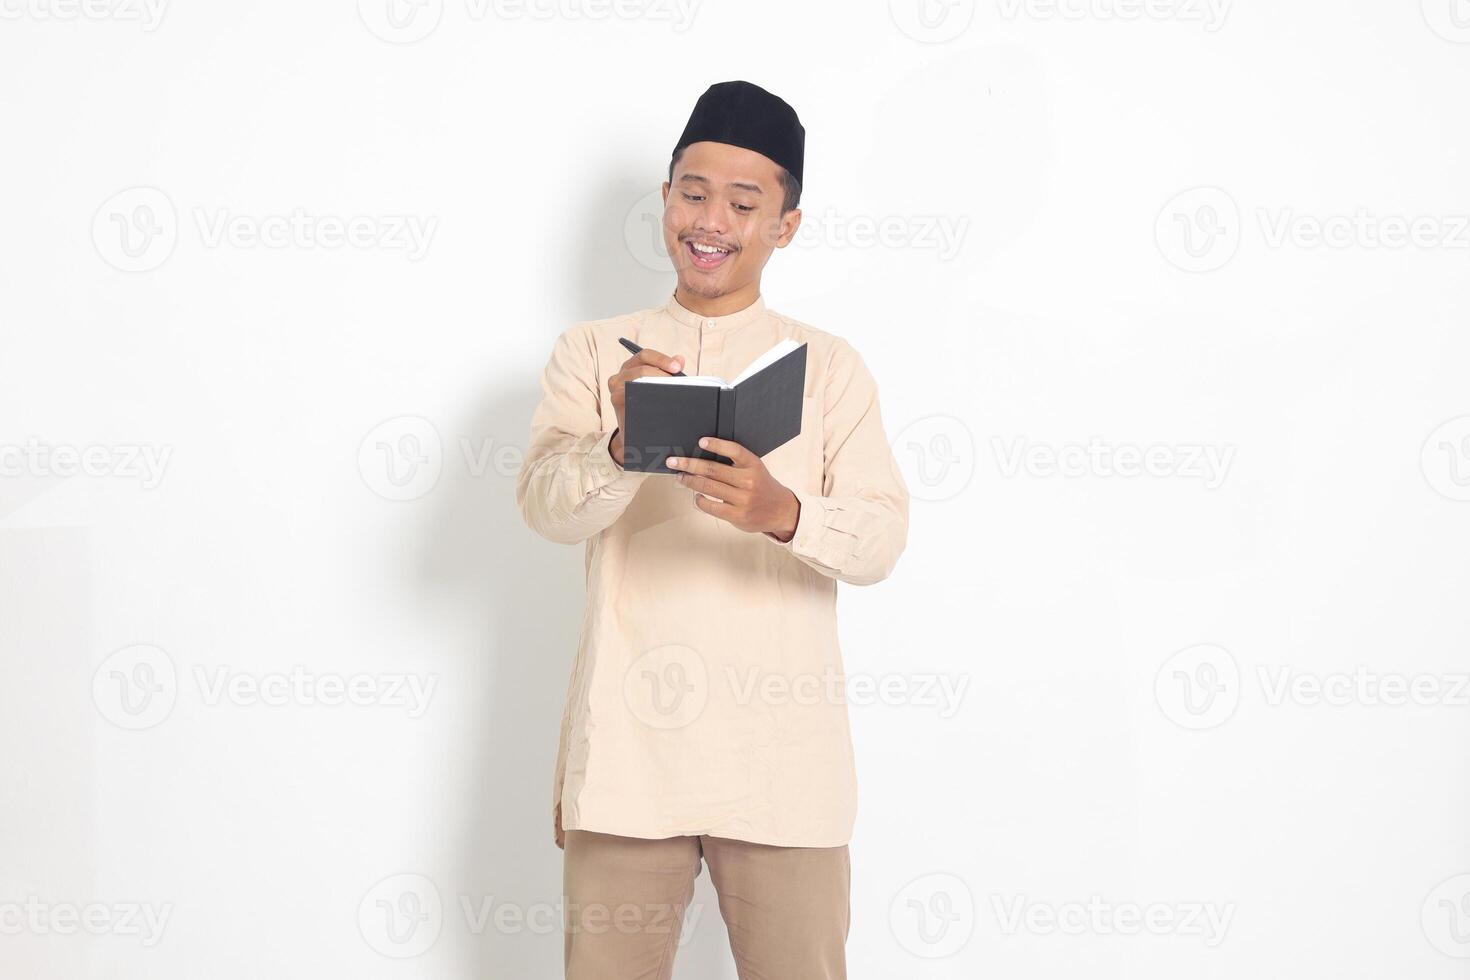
702 721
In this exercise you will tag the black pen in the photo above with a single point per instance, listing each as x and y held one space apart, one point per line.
634 348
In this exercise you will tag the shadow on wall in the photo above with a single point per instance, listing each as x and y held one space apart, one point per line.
524 597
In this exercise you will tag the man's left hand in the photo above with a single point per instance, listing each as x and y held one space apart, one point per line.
746 494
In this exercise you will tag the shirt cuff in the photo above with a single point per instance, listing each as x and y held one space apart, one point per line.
811 524
602 470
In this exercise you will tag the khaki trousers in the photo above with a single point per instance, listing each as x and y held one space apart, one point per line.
785 908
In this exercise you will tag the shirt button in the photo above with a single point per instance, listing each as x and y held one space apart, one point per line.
709 323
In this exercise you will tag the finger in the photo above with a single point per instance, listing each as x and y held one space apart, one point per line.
715 508
719 472
729 494
633 374
738 454
657 359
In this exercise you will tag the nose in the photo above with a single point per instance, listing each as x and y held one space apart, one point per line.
710 218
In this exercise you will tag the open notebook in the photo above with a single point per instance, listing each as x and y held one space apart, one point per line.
760 409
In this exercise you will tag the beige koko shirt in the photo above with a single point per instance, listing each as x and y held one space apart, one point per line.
707 692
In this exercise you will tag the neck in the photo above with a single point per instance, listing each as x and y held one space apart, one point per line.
722 305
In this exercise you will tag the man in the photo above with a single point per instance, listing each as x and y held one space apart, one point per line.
704 718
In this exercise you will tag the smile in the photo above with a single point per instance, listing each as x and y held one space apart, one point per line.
706 257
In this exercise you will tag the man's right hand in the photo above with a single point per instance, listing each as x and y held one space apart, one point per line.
647 363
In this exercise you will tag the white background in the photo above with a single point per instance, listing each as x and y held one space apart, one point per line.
1133 193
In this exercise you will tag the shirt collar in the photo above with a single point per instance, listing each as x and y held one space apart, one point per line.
729 321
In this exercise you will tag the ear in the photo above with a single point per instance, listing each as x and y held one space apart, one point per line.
790 221
666 187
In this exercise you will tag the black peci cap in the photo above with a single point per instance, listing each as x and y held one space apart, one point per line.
742 114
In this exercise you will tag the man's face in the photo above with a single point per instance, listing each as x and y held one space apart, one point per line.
727 198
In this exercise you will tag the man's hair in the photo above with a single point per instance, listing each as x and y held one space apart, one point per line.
790 186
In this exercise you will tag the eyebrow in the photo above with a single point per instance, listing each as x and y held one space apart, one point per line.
734 183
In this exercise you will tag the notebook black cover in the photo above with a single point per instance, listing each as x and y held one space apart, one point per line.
762 413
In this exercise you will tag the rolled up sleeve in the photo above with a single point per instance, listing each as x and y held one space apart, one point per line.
569 487
855 530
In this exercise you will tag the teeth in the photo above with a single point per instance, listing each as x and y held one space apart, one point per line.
708 249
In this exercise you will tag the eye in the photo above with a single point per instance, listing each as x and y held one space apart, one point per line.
693 197
744 208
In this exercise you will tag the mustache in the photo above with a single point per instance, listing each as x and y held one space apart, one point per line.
729 246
